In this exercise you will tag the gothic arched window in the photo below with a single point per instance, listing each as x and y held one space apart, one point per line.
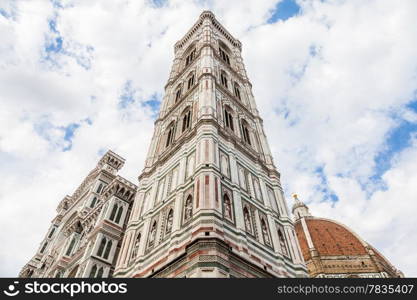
178 93
224 55
51 233
101 247
245 131
186 119
237 90
223 79
70 247
282 243
108 248
113 211
248 221
190 82
188 209
93 271
119 214
170 134
190 57
227 207
100 273
228 117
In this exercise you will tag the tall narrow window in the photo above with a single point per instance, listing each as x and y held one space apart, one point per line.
170 135
228 118
119 215
70 247
113 212
223 79
246 132
186 120
190 81
224 56
51 233
100 188
108 248
93 202
100 273
93 271
282 243
44 247
101 247
237 91
190 57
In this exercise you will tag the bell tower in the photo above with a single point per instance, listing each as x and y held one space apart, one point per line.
210 201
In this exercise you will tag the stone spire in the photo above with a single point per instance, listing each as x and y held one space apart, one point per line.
299 209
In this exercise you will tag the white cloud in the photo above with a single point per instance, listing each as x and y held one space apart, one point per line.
334 76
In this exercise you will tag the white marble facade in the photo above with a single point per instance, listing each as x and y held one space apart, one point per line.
209 174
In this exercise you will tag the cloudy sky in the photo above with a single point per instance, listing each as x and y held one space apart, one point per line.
335 82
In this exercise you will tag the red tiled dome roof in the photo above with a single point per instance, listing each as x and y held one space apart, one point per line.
329 239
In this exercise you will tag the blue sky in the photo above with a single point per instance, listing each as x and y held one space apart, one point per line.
334 81
284 10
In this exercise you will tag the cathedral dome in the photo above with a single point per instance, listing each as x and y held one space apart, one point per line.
329 238
331 249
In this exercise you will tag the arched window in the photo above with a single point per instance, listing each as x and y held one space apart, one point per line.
224 55
169 221
113 211
227 207
245 131
188 209
190 81
228 117
107 251
178 93
186 120
51 233
71 246
237 90
223 79
93 271
93 202
282 243
101 247
170 135
190 57
119 215
248 221
100 273
44 247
